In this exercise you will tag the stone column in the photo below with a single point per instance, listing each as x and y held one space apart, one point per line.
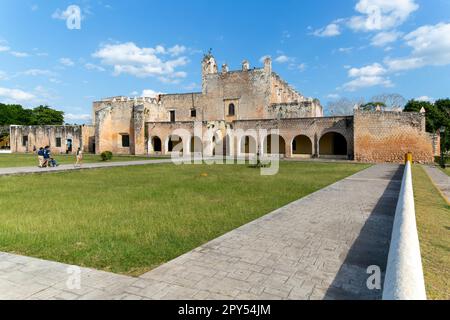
138 146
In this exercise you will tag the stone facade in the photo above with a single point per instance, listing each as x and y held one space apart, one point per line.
59 138
234 115
227 97
387 136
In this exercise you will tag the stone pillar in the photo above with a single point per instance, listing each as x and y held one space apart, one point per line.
139 141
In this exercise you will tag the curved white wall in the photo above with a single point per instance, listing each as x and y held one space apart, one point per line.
404 275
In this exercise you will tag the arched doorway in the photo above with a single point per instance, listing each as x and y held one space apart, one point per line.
156 144
196 145
175 143
302 146
269 146
248 145
333 144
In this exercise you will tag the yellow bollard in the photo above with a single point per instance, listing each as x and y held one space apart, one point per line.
408 157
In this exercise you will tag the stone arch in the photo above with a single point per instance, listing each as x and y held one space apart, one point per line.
302 146
196 145
267 144
156 144
173 141
248 145
333 144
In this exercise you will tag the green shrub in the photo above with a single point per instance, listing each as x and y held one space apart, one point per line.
437 159
106 155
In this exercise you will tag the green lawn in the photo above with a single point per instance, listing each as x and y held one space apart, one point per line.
26 160
131 219
433 221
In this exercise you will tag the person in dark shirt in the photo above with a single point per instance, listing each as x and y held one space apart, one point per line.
41 157
46 156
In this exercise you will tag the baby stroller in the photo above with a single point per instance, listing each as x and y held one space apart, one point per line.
52 162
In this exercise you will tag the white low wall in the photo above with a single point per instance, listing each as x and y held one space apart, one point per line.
404 275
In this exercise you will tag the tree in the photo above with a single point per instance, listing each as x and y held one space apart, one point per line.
42 115
437 115
392 101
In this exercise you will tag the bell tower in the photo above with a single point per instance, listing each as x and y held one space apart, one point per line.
209 66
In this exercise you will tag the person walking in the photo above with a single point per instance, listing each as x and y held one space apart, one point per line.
41 157
46 156
79 158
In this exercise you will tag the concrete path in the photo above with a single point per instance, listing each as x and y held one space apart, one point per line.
440 179
70 167
318 247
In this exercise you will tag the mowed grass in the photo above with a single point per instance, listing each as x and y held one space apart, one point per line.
29 160
131 219
446 170
433 222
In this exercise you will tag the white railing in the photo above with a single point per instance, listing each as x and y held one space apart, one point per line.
404 275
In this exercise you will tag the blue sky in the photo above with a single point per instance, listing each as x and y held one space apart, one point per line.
325 49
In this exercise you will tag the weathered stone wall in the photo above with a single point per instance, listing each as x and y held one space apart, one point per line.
88 136
41 136
289 129
313 128
281 92
387 136
248 90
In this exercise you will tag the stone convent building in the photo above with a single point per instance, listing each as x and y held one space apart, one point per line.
248 100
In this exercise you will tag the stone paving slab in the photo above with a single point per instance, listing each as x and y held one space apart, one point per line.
440 179
318 247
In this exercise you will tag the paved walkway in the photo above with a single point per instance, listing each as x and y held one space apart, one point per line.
318 247
440 179
71 167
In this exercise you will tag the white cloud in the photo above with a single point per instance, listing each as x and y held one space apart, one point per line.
176 50
19 54
34 7
91 66
16 95
383 38
149 93
430 47
333 96
345 50
331 30
301 66
368 76
36 72
283 59
424 98
67 62
77 117
375 69
192 86
4 48
381 14
143 62
375 15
